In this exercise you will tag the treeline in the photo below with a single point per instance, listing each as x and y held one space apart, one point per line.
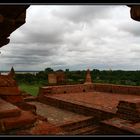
98 76
116 77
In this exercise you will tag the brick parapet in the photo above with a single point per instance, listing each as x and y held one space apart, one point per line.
110 88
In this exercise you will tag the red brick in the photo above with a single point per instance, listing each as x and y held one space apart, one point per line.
9 91
8 110
67 89
26 119
13 98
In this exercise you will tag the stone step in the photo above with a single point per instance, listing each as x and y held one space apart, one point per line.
41 128
26 106
76 107
78 124
8 110
24 120
85 130
93 132
30 98
115 126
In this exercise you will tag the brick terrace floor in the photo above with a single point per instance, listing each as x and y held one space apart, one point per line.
100 100
55 115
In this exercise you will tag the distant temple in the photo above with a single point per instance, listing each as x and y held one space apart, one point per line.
12 72
88 79
56 78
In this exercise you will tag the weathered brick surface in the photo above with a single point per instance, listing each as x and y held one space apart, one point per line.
119 126
8 110
72 123
12 117
120 89
25 119
105 102
98 103
129 110
117 89
67 89
130 104
115 126
110 88
134 90
127 120
7 81
41 128
103 87
85 104
9 91
13 98
26 106
44 128
8 86
57 115
30 98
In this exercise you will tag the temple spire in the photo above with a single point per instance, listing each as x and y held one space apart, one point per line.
12 72
88 79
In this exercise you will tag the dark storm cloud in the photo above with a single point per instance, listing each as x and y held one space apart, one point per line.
18 59
29 56
35 52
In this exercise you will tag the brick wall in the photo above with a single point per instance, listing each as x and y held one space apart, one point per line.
67 89
89 88
117 88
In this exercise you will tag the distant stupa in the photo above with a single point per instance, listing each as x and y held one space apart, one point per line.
88 79
12 72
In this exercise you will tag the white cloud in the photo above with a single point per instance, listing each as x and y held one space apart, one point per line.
74 37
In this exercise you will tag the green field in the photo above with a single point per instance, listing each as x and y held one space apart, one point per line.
31 89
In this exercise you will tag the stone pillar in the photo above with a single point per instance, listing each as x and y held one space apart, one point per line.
88 79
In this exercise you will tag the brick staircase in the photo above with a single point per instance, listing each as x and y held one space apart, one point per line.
82 127
12 118
126 121
30 98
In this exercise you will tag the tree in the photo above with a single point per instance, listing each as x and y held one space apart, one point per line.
66 70
47 70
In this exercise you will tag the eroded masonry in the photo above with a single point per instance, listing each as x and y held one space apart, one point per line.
82 109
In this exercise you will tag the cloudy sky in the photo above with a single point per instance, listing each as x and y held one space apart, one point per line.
74 37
